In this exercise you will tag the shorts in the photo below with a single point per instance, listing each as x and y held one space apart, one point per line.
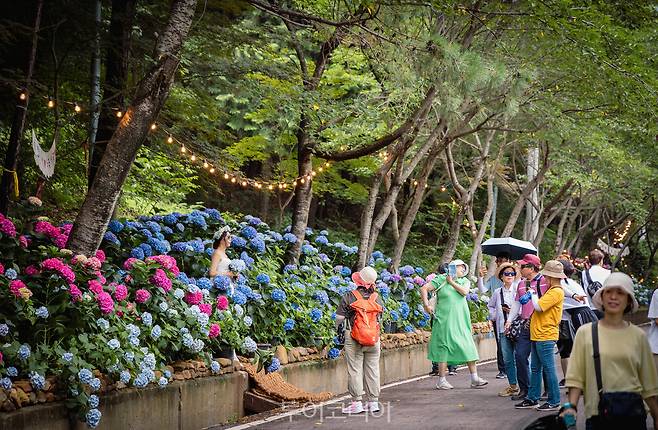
565 341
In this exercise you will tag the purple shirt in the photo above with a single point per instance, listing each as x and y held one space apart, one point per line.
528 308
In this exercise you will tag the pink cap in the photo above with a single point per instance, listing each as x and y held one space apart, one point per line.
530 259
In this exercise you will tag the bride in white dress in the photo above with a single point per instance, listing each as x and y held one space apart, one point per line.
220 262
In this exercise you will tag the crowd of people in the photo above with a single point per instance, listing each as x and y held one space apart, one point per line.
537 310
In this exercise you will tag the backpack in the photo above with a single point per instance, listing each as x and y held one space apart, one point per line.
366 325
592 286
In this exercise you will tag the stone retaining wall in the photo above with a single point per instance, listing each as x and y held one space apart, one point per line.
209 401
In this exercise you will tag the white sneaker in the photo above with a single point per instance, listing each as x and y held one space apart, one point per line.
371 406
353 408
444 386
479 383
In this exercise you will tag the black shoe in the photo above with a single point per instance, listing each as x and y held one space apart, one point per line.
521 396
501 375
526 404
547 407
562 382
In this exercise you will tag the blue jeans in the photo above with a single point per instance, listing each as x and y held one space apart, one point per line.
543 361
508 356
521 355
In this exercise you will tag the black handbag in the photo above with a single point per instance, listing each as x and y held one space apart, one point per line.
621 408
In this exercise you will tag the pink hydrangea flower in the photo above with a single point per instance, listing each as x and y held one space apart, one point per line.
167 262
161 280
214 331
95 286
419 281
142 296
60 241
31 270
2 269
100 278
105 302
93 263
120 293
430 277
100 254
222 303
67 273
206 308
128 264
46 228
76 294
7 227
58 266
23 241
194 298
66 229
15 286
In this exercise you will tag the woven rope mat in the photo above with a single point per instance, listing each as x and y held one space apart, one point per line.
273 385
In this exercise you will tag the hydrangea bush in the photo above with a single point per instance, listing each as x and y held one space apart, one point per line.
145 300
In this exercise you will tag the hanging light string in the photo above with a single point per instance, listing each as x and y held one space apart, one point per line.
231 176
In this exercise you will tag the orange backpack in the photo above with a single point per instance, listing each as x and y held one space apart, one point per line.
366 326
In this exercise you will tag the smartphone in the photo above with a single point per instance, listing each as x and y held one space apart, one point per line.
452 271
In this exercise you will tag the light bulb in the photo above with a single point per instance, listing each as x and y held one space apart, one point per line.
225 175
271 187
22 96
170 139
212 170
193 157
244 183
182 149
153 126
233 180
77 108
119 114
205 164
302 180
51 103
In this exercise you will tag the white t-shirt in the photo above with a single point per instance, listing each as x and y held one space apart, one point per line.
572 287
597 273
652 334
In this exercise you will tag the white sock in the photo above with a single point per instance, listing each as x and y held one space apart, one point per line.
442 379
474 377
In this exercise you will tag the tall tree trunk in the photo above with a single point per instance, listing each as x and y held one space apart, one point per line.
95 77
9 174
116 76
453 237
477 242
303 195
133 129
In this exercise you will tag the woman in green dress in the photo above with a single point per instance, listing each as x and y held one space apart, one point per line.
452 339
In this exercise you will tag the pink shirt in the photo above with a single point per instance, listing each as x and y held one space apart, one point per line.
528 308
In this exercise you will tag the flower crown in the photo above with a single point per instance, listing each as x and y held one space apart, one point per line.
218 234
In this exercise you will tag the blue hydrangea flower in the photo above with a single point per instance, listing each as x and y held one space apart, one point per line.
163 306
147 233
156 331
111 238
85 376
170 219
322 297
419 270
5 383
162 382
247 321
222 282
237 265
377 255
115 226
113 344
42 312
249 232
24 351
322 240
37 381
204 283
133 330
93 401
137 253
148 250
124 376
308 231
238 242
12 371
408 328
345 271
407 271
239 298
275 236
316 315
11 274
257 244
247 259
422 323
4 329
214 214
333 353
278 295
290 238
253 220
289 324
149 361
289 268
103 324
274 365
93 418
249 345
384 291
147 319
238 310
263 279
197 220
167 374
215 367
180 227
67 356
394 315
404 310
178 293
153 226
95 384
309 250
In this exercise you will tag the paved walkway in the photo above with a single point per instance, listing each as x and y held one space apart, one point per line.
417 405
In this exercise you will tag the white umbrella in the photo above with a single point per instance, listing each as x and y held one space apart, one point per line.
514 247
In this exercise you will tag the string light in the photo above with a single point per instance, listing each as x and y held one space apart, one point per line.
77 108
170 139
22 96
443 188
182 149
212 170
153 127
119 114
205 164
193 157
51 103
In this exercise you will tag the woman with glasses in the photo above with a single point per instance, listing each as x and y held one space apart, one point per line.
500 305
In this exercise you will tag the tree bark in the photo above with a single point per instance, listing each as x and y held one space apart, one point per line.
453 237
477 242
152 91
95 77
116 76
18 123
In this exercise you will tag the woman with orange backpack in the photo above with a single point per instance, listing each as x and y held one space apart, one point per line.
452 339
361 309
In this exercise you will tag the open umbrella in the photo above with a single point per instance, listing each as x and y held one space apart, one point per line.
514 247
